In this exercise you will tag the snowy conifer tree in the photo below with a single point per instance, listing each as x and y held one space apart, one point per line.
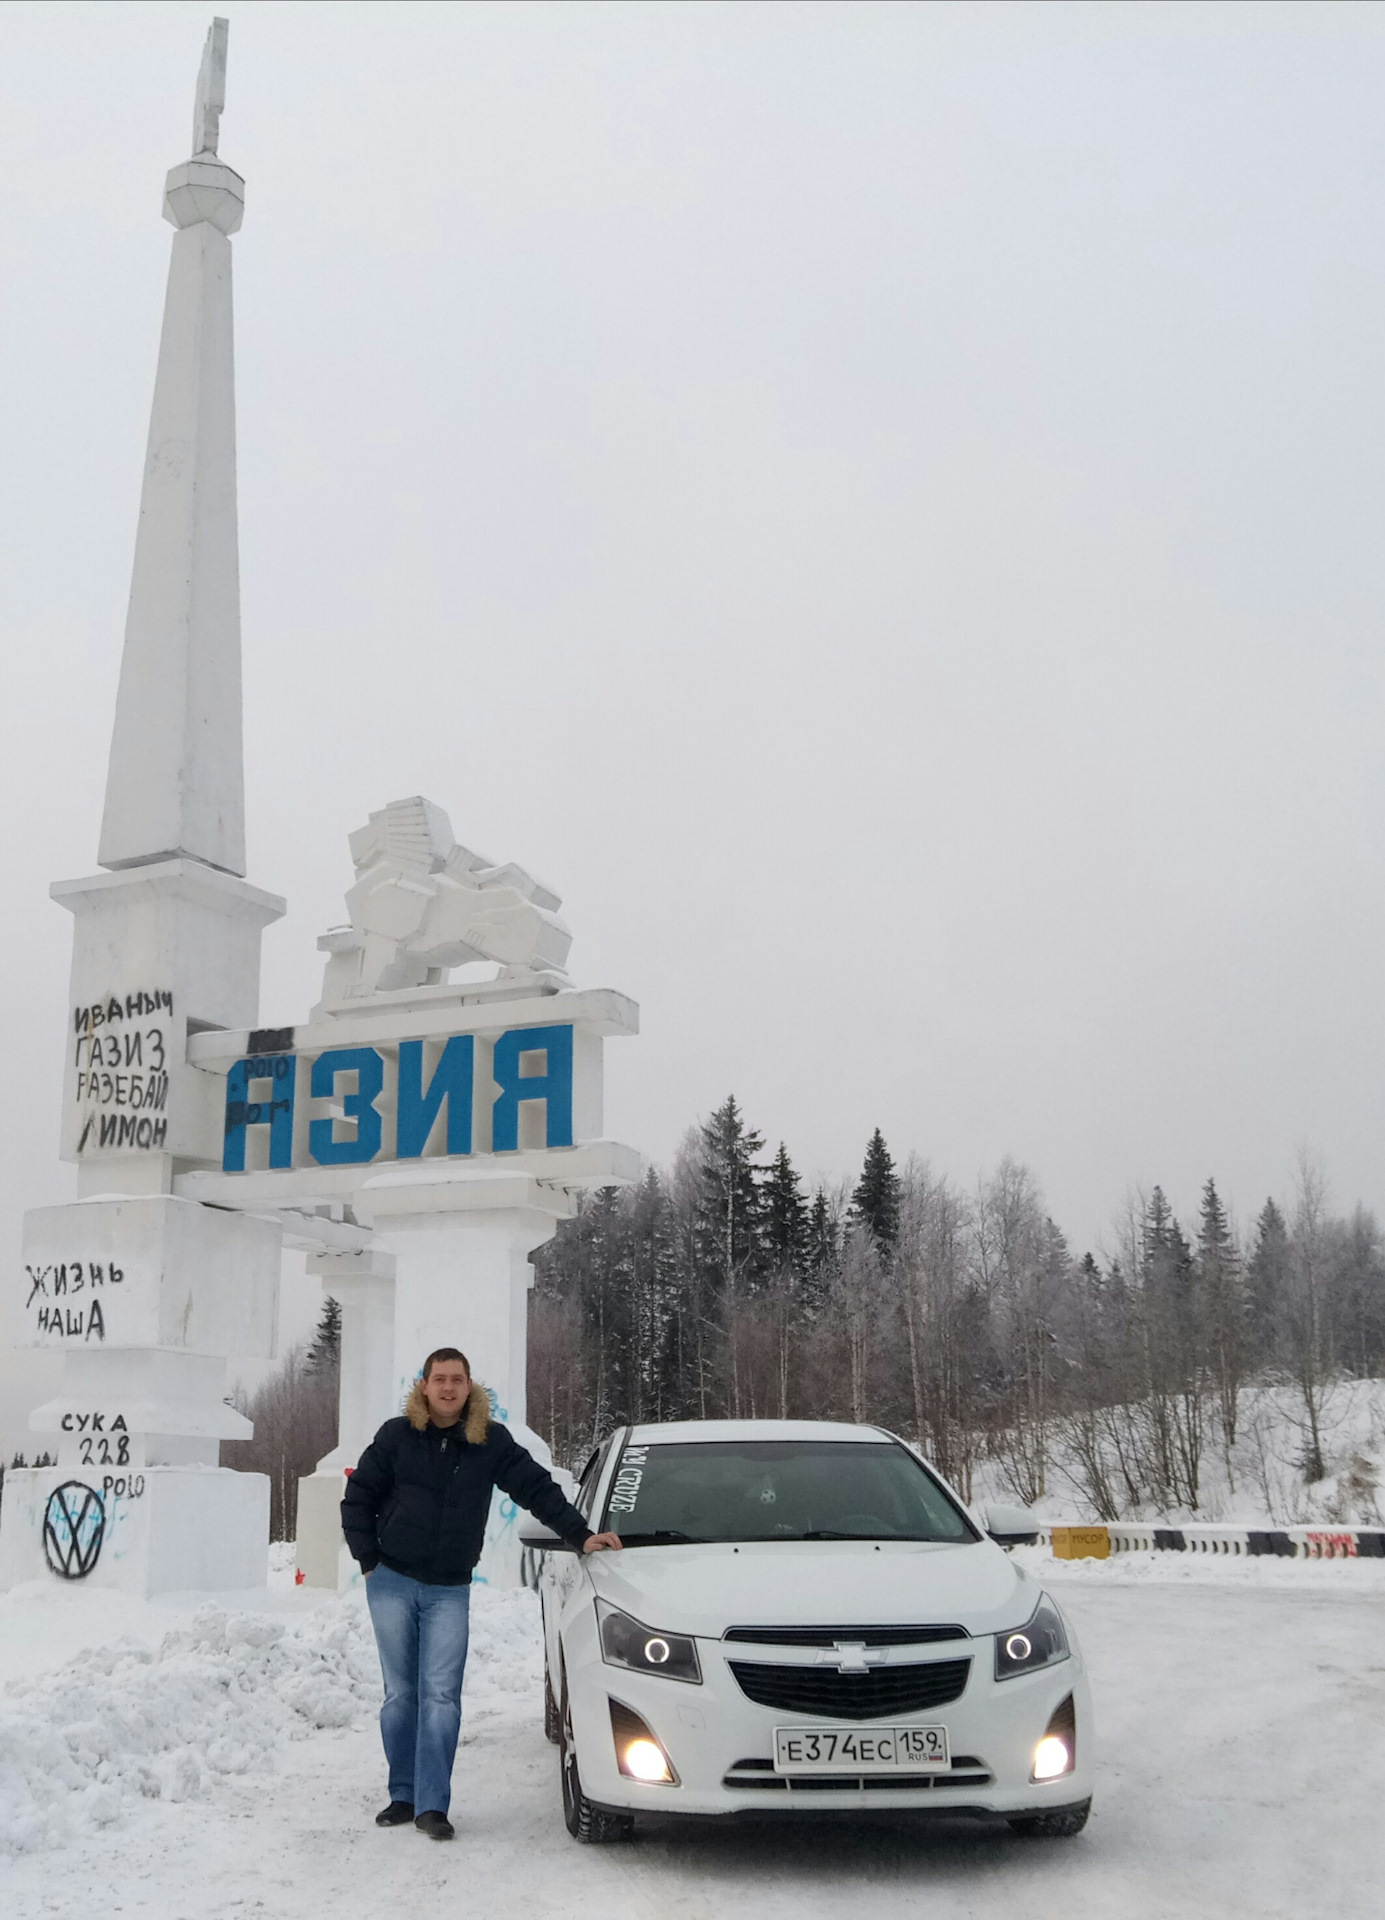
729 1200
1221 1275
324 1355
1268 1277
875 1202
784 1217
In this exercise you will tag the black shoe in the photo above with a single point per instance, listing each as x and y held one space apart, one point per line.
437 1826
397 1814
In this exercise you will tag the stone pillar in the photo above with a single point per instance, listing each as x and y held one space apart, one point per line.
363 1286
462 1239
456 1273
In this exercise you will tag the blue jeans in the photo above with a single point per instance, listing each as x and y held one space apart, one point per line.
421 1632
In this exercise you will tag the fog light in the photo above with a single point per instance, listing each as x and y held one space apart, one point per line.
639 1752
1050 1758
646 1762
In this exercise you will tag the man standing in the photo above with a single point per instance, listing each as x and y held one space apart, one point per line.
414 1516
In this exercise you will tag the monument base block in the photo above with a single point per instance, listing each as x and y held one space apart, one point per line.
146 1531
321 1555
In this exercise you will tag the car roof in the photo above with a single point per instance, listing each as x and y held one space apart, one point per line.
694 1430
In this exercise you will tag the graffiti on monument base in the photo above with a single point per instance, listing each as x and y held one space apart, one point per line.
122 1050
102 1439
74 1527
124 1486
69 1299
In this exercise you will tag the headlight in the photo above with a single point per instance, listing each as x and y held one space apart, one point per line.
626 1643
1037 1644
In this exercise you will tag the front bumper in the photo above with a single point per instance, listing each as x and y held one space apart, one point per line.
721 1744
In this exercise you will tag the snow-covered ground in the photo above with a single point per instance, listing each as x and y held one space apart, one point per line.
199 1759
1262 1483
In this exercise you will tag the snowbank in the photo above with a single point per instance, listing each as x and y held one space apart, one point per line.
44 1622
1262 1484
1207 1570
126 1722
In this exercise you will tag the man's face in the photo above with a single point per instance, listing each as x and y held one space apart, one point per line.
446 1390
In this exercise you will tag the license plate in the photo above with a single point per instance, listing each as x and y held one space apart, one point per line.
850 1750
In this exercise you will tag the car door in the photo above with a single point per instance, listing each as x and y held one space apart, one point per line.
562 1571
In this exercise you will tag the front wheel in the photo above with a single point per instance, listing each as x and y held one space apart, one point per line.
1061 1824
552 1719
590 1826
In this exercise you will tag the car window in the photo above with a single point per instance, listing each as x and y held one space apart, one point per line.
779 1490
591 1473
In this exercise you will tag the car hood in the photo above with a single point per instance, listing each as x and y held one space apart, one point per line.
703 1590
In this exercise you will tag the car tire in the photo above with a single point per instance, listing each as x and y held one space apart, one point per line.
1060 1825
590 1826
552 1720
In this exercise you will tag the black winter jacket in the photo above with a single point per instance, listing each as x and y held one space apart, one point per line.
418 1501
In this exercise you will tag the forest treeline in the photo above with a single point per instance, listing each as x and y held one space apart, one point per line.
958 1318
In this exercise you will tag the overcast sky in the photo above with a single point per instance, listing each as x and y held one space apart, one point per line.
877 505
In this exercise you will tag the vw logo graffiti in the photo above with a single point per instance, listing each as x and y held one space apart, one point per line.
74 1525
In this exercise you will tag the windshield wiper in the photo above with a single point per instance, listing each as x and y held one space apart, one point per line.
661 1537
829 1533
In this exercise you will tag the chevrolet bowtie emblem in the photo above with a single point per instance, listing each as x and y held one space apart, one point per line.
852 1656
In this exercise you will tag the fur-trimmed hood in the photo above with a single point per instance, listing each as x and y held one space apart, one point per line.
476 1413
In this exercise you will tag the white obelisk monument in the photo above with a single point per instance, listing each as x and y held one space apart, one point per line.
418 1135
147 1293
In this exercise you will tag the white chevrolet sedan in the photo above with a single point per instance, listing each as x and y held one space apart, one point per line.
804 1619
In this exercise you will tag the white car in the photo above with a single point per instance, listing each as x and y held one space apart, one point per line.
804 1619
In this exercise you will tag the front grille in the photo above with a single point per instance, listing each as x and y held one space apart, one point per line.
852 1696
759 1776
956 1778
829 1636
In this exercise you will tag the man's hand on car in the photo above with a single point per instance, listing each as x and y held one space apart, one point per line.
598 1542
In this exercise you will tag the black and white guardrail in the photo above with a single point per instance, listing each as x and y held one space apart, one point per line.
1288 1543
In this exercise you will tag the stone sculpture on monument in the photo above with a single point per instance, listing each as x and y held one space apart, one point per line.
421 903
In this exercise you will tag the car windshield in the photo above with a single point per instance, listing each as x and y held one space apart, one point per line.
669 1494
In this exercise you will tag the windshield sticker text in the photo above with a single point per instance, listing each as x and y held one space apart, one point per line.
626 1490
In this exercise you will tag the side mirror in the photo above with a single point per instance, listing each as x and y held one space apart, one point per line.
1011 1526
544 1540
